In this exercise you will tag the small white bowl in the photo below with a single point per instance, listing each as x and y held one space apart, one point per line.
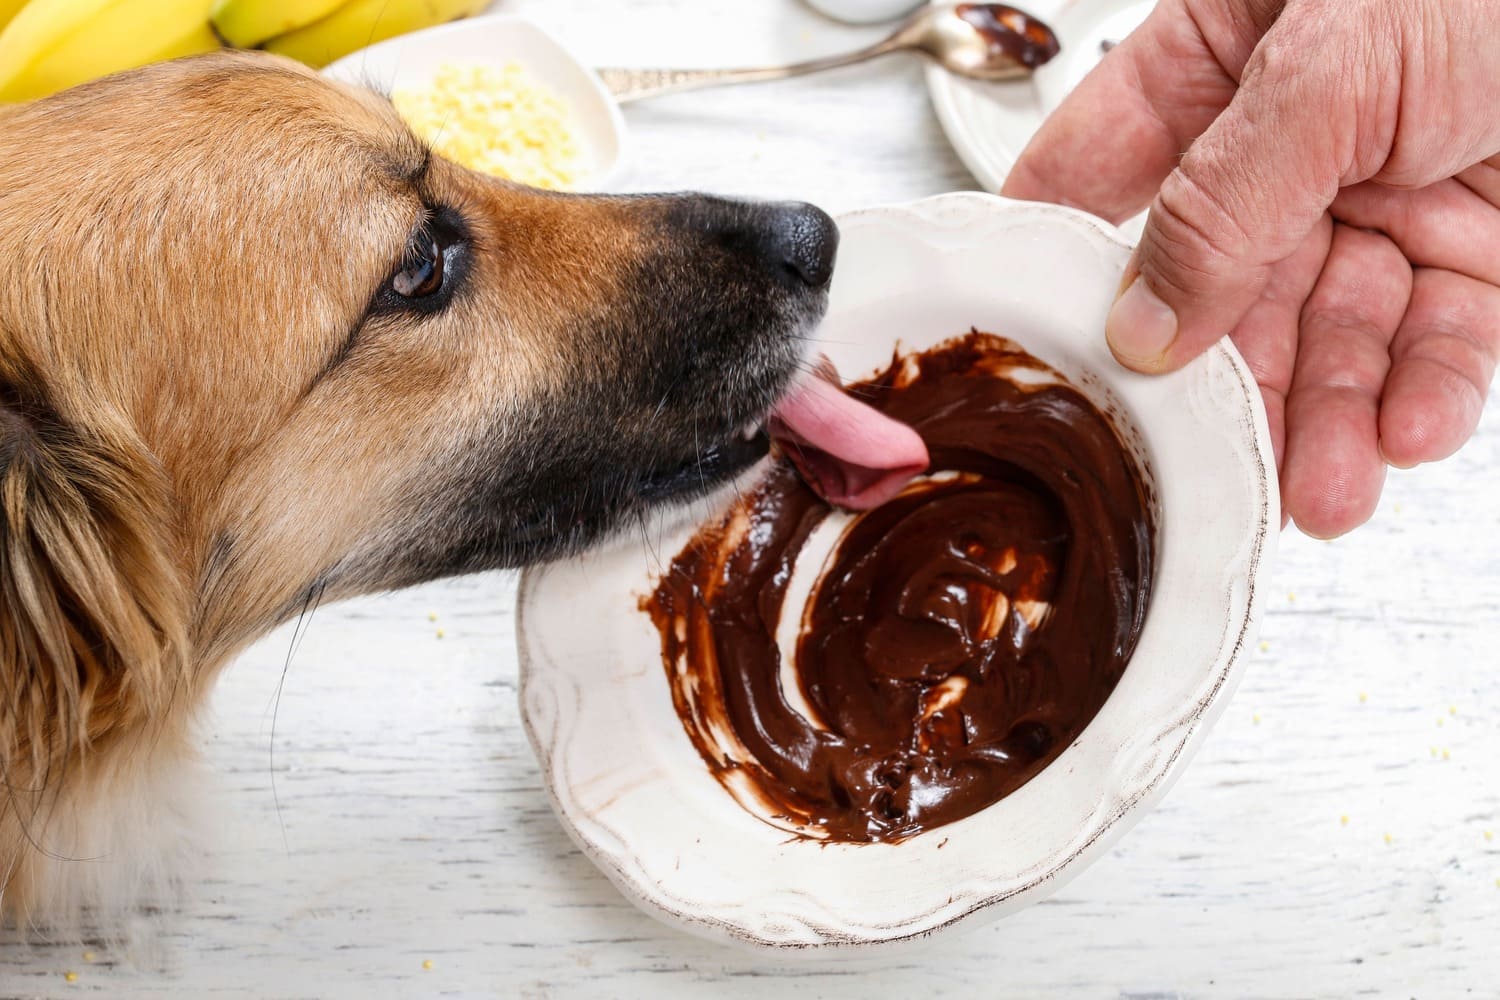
629 786
495 40
864 11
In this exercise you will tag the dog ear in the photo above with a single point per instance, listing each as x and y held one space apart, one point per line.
92 607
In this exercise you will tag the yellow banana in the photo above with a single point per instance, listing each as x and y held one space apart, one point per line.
247 23
53 44
365 22
9 9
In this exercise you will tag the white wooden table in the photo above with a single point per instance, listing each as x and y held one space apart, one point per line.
1333 837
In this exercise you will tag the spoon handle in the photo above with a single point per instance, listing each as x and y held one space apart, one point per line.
634 84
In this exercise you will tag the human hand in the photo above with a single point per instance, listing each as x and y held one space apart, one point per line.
1324 184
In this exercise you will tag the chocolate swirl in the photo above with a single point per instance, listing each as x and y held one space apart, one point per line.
958 638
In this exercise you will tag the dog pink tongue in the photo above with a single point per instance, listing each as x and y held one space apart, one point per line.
853 455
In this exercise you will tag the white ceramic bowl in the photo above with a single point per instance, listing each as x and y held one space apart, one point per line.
634 794
494 40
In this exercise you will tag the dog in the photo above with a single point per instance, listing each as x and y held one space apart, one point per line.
261 348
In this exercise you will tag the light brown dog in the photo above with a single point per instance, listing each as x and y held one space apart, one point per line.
260 349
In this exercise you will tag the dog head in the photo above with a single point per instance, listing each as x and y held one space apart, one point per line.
258 346
345 364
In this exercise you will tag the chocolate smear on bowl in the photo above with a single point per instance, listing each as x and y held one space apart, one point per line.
958 637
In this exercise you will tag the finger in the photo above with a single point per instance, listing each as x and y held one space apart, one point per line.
1244 197
1109 144
1443 360
1334 470
1267 337
1444 225
1483 179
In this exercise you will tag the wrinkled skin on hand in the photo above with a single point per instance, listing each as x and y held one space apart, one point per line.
1324 184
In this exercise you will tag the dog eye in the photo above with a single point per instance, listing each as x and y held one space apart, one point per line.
421 274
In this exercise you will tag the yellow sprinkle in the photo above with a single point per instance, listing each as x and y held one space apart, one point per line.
71 977
1389 839
1433 751
1452 709
1265 647
1446 755
1344 820
89 956
1255 718
1489 835
427 963
499 120
1440 720
432 616
1363 697
1291 597
1396 507
439 633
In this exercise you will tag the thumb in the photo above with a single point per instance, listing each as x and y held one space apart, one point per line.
1243 197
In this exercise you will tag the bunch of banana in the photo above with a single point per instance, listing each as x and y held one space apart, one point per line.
319 31
8 10
49 45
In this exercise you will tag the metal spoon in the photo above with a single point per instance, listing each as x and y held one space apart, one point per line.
985 41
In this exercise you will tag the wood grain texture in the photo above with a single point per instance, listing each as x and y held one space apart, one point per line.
411 825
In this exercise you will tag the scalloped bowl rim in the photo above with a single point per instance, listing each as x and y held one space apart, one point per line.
1137 772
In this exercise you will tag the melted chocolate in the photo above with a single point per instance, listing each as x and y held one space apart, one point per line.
957 639
1011 32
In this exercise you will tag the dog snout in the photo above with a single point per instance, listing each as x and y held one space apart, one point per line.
804 240
792 241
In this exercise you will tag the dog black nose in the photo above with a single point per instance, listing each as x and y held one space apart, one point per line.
804 240
794 240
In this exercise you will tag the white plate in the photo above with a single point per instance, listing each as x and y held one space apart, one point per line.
629 786
495 40
990 123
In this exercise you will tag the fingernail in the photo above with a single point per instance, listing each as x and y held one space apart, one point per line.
1392 462
1140 328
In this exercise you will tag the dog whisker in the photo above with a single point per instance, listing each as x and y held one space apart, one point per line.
640 514
698 458
310 602
375 24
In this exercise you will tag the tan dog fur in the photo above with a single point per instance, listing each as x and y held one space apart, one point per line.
153 523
